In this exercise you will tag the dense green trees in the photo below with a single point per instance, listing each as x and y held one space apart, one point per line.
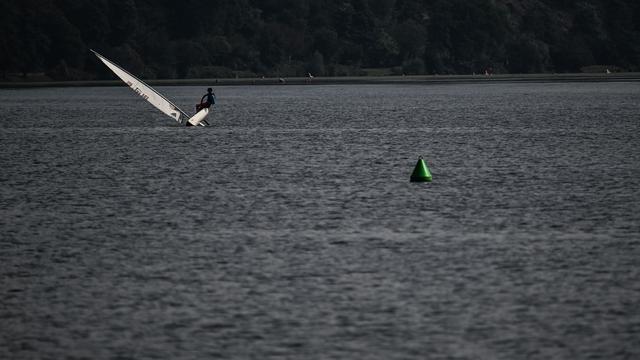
225 38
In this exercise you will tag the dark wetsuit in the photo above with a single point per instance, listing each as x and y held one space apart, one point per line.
211 99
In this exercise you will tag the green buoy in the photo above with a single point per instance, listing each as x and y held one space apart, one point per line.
421 172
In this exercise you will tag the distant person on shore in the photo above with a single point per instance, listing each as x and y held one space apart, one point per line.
210 97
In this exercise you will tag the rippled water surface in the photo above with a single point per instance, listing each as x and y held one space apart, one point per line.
289 229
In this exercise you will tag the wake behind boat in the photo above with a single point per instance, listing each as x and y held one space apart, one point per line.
155 98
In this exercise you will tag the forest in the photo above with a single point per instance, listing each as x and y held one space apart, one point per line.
167 39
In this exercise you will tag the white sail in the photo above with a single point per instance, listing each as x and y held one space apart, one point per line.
146 91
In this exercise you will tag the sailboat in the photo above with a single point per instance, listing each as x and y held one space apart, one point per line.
155 98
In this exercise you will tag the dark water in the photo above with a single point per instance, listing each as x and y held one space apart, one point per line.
289 229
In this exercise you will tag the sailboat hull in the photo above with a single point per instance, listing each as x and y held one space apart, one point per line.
198 119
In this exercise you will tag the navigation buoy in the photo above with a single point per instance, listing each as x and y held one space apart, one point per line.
421 172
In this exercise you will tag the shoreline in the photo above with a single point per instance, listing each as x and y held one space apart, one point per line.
346 80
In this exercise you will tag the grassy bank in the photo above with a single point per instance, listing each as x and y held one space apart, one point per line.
412 79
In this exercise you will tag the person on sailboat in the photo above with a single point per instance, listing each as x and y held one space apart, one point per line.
210 97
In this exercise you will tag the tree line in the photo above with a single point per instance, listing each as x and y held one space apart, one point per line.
250 38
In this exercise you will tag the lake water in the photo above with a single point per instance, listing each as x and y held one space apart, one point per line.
289 229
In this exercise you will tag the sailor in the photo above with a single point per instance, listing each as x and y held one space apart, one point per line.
210 97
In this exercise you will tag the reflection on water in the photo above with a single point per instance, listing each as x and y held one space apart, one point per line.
290 229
